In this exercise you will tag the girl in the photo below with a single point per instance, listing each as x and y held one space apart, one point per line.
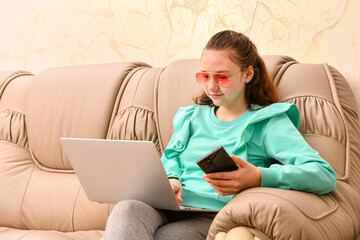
237 109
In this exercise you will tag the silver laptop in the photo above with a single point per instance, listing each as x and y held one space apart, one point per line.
114 170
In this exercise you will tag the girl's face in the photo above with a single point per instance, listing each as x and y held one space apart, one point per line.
233 95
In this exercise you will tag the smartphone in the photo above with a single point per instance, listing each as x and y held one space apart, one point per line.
218 160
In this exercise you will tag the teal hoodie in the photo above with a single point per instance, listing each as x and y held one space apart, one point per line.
266 137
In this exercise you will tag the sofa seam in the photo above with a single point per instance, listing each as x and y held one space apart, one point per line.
11 140
318 218
27 184
282 70
156 107
314 134
138 82
11 77
73 211
339 109
64 234
25 194
347 215
132 107
12 111
47 169
26 234
307 96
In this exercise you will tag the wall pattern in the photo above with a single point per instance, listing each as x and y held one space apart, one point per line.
36 35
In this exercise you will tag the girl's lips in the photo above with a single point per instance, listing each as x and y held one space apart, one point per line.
215 95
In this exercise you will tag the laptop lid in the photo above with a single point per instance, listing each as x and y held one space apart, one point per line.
114 170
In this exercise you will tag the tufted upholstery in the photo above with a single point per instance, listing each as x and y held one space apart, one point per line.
41 197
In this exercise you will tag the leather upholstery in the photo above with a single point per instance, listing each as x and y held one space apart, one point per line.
41 197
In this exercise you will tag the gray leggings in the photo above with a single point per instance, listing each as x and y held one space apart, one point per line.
131 219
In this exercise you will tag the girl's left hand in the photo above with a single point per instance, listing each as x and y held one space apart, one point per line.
228 183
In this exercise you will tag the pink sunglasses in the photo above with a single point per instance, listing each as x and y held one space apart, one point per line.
221 79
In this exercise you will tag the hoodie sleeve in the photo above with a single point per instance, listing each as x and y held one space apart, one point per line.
301 167
181 124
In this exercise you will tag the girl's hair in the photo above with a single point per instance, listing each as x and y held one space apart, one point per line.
260 90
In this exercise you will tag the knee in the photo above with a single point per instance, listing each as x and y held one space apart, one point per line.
129 207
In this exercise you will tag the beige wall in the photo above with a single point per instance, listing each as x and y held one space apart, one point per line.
37 34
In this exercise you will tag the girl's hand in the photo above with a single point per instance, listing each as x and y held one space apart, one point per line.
228 183
177 188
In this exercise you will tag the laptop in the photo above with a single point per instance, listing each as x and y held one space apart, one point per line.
114 170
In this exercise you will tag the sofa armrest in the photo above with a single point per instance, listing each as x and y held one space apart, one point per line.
280 214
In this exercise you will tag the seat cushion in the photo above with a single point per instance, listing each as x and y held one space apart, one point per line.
10 233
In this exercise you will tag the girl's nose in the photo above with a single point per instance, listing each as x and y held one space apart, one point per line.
212 84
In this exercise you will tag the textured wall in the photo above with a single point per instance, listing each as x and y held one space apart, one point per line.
39 34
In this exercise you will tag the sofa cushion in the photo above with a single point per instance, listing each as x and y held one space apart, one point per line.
9 233
70 101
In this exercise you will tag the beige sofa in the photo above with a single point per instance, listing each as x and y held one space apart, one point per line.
41 197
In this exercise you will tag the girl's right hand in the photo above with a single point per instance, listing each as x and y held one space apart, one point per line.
177 188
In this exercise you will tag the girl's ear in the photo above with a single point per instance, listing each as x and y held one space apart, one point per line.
249 73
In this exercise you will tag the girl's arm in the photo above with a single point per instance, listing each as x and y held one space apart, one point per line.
170 159
302 167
